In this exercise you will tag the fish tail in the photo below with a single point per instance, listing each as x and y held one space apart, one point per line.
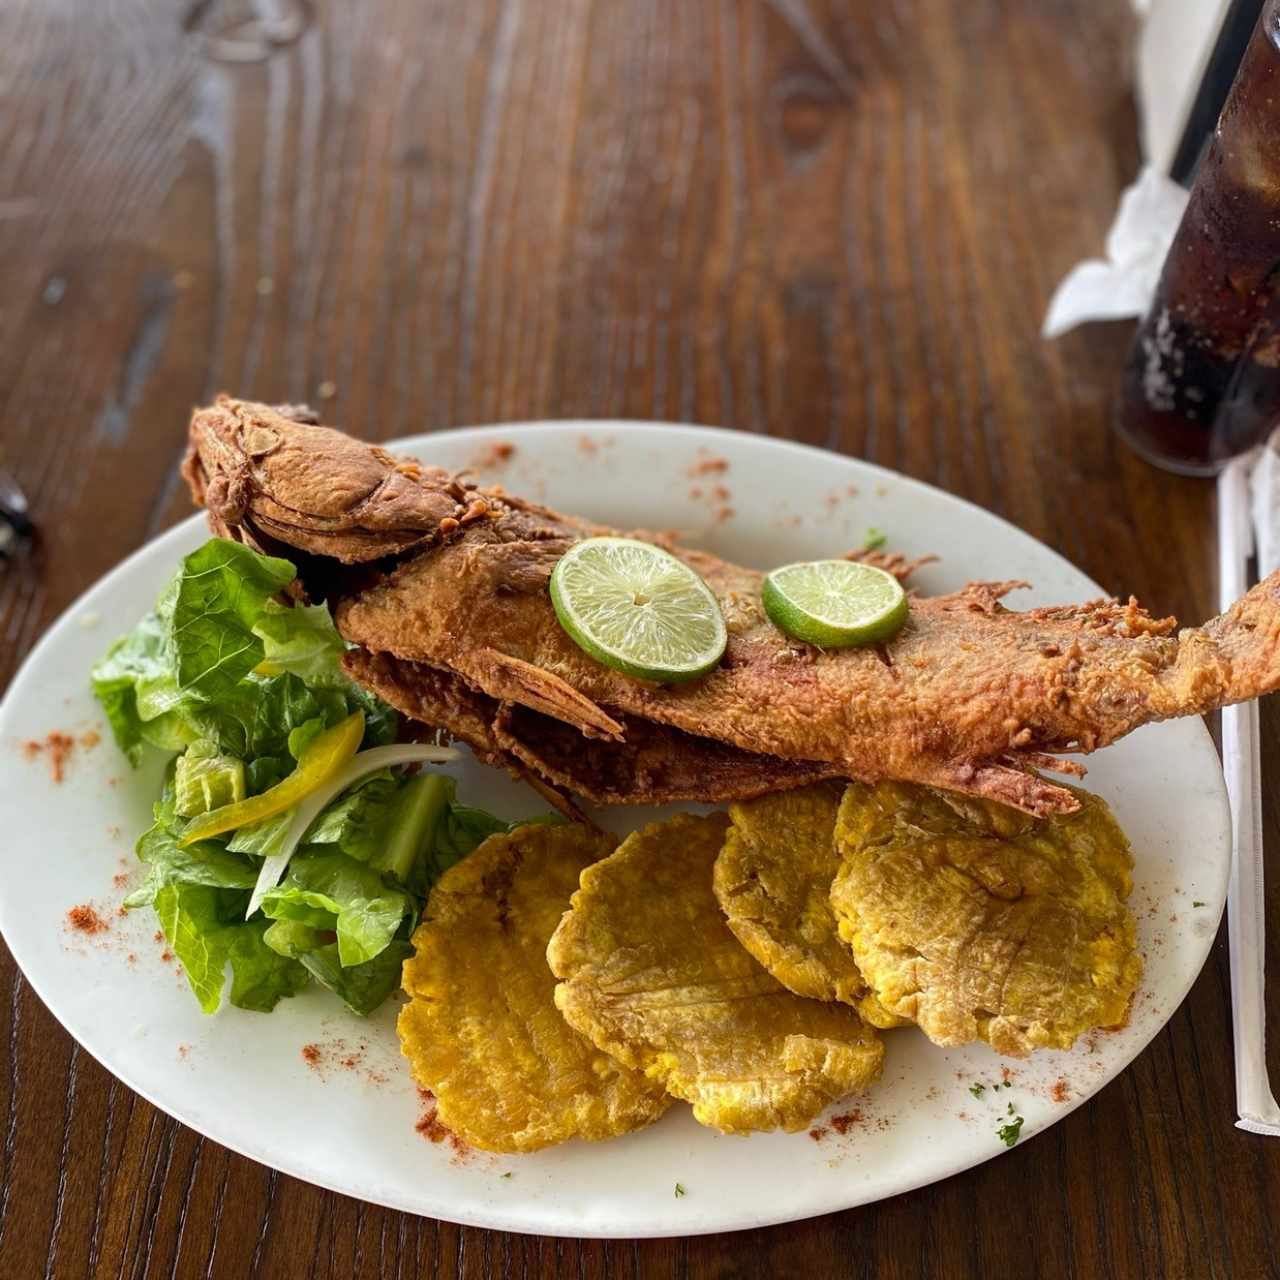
1233 657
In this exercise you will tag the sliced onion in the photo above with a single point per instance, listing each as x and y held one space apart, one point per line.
311 807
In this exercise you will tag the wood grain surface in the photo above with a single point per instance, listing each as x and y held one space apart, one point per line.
832 220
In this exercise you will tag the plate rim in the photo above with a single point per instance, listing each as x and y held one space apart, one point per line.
496 1219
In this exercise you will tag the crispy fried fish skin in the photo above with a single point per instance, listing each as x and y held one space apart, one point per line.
980 923
773 882
653 764
650 972
481 1027
969 695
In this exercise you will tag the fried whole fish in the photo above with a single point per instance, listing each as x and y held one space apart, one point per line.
969 696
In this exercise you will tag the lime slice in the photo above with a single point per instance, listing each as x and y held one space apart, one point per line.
638 609
834 603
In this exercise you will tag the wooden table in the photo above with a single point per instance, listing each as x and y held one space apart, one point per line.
837 222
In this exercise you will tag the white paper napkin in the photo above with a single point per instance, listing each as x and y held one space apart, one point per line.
1123 284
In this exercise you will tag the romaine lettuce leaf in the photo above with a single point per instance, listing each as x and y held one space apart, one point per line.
187 671
133 660
220 592
265 772
260 975
464 828
159 698
192 925
409 828
206 862
206 779
361 987
280 705
194 920
302 737
302 641
291 939
326 889
256 717
274 715
358 821
263 839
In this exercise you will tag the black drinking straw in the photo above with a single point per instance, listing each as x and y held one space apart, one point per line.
1215 84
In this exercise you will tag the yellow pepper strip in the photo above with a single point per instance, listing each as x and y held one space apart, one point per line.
320 760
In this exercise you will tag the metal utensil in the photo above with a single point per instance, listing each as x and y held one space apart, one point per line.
16 528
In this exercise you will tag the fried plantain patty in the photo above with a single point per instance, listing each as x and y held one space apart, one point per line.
773 882
651 973
481 1028
981 923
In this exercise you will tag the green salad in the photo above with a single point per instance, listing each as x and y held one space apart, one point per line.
294 840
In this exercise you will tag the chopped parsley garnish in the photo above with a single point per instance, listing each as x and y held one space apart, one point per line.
1009 1133
507 1174
1011 1108
1197 903
875 539
977 1090
679 1190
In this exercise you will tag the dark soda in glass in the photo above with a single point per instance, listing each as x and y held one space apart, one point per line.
1203 378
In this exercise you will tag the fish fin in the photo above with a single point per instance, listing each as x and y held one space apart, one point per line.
515 680
1042 760
442 701
1105 616
894 562
978 597
1019 790
558 799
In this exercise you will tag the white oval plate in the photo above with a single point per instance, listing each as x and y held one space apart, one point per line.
346 1120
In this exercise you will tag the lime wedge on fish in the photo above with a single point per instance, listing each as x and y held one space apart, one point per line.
835 603
637 609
